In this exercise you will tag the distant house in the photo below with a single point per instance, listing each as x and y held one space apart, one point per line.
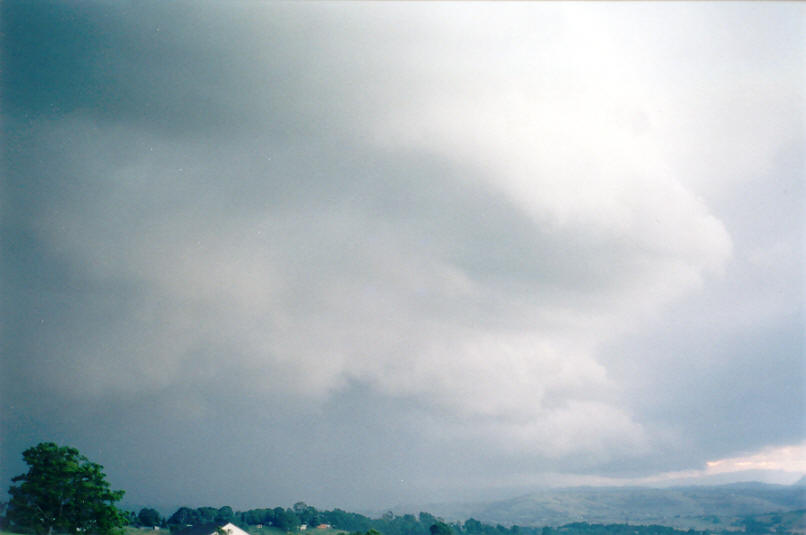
323 526
213 529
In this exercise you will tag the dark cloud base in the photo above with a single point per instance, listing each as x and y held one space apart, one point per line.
161 125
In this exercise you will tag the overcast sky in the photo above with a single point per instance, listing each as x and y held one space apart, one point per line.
368 254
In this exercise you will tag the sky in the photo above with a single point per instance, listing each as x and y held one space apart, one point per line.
365 254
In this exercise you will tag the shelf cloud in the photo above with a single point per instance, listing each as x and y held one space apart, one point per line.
399 248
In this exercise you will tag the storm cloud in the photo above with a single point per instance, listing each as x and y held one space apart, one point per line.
365 254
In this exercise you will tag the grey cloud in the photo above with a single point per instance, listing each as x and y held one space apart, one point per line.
214 234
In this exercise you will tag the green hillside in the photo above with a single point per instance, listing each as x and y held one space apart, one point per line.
711 507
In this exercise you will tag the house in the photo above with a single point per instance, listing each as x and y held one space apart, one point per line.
213 529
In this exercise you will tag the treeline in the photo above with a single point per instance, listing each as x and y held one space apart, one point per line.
584 528
294 518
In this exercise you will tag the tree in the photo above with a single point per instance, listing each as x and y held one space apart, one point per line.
224 515
473 526
286 519
149 517
3 519
63 491
182 517
440 528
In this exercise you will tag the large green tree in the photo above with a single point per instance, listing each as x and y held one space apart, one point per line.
63 492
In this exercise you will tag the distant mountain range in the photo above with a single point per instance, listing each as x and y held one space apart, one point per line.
700 507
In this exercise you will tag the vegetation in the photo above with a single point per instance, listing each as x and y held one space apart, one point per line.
718 507
63 492
148 517
302 518
185 516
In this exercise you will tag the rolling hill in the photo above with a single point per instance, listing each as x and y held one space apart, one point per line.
699 507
